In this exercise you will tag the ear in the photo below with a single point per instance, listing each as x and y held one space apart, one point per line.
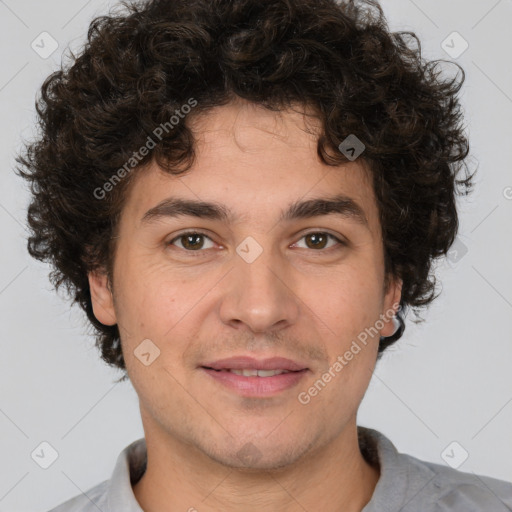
102 299
391 305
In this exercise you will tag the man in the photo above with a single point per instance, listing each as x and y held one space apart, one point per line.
245 197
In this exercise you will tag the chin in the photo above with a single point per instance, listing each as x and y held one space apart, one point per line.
259 456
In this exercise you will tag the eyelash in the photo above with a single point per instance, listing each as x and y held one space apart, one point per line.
340 244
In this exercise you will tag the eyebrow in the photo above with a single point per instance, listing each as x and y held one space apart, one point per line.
340 205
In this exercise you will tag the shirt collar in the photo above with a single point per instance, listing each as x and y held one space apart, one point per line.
400 479
130 466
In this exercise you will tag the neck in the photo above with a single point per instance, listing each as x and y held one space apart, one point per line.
180 477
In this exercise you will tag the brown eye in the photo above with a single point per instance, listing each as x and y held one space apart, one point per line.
191 241
319 240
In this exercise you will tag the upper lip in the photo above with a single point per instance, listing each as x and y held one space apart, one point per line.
247 362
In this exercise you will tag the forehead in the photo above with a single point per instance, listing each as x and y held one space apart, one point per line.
256 162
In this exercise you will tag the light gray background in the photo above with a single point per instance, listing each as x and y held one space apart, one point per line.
448 380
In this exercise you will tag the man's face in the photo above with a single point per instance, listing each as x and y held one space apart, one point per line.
305 297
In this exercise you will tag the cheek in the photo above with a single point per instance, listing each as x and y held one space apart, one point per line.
159 302
352 352
351 301
145 300
152 310
352 309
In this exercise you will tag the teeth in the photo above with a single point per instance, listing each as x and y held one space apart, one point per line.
259 373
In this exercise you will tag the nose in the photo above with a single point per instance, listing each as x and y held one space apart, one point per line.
260 295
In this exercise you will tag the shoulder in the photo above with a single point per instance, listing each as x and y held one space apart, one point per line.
91 501
410 484
454 490
116 492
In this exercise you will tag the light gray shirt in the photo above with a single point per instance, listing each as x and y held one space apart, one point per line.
406 484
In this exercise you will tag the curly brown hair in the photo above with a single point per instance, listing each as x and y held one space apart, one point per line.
141 64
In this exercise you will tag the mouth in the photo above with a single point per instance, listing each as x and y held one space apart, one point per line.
252 382
253 372
250 364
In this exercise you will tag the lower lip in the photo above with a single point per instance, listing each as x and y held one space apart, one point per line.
257 386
